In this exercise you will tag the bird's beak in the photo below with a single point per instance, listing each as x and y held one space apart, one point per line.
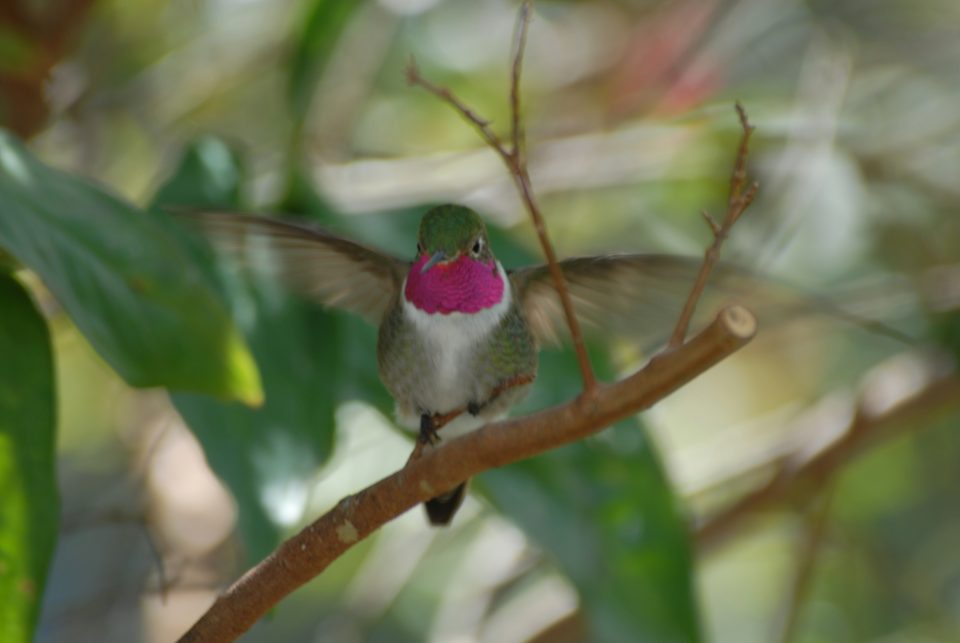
437 257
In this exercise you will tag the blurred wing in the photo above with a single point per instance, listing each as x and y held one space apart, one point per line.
315 263
640 296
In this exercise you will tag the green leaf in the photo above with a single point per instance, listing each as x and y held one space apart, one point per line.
604 511
29 505
266 456
133 283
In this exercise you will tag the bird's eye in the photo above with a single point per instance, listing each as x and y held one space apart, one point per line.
477 246
419 249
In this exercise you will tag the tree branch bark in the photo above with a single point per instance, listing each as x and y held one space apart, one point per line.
308 553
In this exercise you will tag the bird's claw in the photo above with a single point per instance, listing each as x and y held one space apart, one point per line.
428 430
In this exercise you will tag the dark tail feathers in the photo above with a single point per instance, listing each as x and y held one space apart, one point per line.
440 510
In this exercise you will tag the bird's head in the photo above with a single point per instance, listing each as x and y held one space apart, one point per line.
455 270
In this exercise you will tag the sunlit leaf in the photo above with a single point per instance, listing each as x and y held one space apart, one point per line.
131 282
29 504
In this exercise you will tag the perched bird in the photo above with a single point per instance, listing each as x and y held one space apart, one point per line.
459 334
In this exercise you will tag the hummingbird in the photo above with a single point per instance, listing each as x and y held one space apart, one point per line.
459 334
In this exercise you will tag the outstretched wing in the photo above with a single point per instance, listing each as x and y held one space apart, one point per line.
315 263
641 295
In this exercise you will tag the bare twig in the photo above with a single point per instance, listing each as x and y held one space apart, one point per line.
515 160
737 203
305 555
804 475
483 126
123 517
162 580
519 46
815 523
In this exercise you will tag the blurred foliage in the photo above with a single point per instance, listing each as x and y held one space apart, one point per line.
34 38
608 516
300 107
322 26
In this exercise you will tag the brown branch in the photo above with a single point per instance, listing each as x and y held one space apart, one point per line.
308 553
515 160
803 475
737 203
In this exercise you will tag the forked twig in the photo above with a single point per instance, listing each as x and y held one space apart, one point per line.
737 203
515 160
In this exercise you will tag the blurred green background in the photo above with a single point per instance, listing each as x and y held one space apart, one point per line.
301 107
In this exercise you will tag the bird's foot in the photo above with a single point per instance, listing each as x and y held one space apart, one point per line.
428 430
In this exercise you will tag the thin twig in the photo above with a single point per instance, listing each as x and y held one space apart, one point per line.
815 522
122 517
737 203
559 282
515 160
157 555
483 126
519 46
308 553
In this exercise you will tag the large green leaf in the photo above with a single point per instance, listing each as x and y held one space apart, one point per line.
604 511
29 506
132 283
266 456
